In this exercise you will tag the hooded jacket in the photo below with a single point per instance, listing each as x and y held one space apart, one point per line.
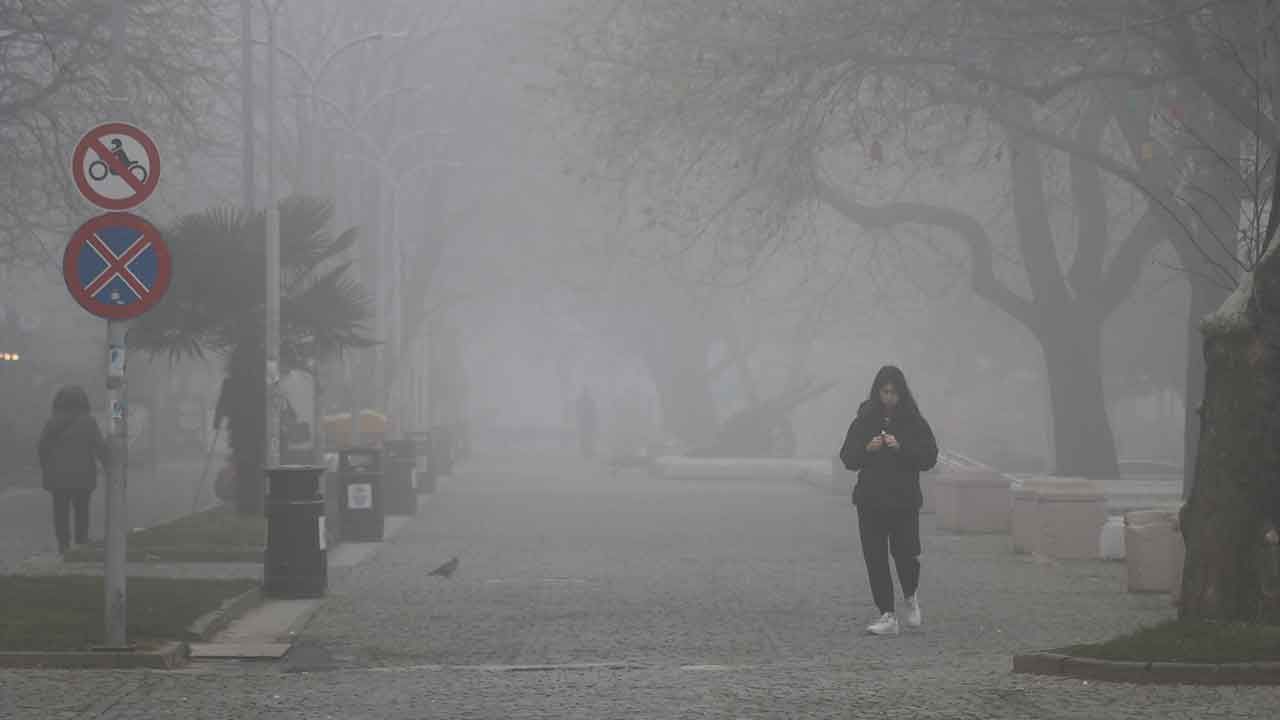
889 478
70 447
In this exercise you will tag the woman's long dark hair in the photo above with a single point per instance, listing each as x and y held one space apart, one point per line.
890 374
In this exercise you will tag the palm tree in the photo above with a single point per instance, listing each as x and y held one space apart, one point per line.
215 305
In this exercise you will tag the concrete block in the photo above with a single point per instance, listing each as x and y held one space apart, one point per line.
1070 514
1024 522
1150 549
972 501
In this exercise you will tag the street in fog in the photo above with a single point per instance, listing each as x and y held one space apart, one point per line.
678 358
582 594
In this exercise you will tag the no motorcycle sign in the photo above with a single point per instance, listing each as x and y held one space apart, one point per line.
116 166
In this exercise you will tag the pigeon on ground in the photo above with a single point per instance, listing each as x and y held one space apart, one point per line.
445 570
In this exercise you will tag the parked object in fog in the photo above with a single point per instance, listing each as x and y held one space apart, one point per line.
889 443
71 447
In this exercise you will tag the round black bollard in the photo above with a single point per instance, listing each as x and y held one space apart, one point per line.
295 563
400 493
360 494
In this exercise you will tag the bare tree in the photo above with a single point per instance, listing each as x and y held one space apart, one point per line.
1174 98
53 86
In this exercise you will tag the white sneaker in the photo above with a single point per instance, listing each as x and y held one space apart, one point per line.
913 612
886 625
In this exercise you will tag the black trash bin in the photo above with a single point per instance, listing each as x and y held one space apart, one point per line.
360 494
296 562
424 471
400 493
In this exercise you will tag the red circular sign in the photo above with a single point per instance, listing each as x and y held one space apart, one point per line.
117 266
105 171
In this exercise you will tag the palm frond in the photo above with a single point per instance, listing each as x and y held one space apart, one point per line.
216 300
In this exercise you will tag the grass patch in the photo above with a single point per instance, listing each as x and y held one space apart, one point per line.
1185 641
219 534
65 612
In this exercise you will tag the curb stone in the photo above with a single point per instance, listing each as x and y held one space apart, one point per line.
174 554
1156 673
165 657
206 626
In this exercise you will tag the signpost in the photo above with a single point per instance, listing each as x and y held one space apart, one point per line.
117 267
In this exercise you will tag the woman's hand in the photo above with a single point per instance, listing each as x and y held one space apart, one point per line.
1272 537
876 443
891 441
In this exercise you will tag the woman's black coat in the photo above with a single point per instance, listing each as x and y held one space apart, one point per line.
889 478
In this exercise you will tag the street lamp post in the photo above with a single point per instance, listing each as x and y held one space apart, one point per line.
272 335
389 298
247 200
273 249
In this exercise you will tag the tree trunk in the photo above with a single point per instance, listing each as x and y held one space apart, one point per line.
243 393
1083 443
1222 519
1205 298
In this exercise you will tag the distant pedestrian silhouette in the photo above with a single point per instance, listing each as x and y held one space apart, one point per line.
71 448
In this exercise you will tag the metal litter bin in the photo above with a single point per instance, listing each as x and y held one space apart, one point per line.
400 491
295 563
424 471
360 494
440 457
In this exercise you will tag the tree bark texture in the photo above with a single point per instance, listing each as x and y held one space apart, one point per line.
1205 298
1230 572
1222 519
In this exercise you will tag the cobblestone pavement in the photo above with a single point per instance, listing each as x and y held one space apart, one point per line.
586 595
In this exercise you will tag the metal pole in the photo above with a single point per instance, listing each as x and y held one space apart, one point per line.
247 200
116 604
395 397
273 253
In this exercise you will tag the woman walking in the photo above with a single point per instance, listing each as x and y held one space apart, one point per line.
889 444
71 447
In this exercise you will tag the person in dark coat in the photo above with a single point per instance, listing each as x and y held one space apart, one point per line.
71 448
889 443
